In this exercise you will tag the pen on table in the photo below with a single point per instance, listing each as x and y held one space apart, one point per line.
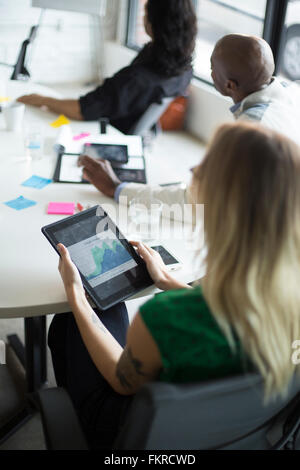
177 183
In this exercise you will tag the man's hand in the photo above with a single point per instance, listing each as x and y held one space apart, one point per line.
100 174
33 100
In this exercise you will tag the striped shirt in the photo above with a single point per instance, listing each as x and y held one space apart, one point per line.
276 106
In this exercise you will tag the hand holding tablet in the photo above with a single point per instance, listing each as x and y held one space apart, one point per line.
68 271
110 268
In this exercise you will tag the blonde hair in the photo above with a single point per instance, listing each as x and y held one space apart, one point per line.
249 182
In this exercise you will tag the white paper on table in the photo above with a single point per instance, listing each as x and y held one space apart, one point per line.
65 138
69 171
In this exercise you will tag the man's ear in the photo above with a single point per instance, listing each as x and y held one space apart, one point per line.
231 86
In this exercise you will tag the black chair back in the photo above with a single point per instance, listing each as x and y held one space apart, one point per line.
223 414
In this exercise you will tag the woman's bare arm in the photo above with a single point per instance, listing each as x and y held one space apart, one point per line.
125 370
70 108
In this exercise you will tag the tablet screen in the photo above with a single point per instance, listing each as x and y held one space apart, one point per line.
134 163
101 257
113 153
110 268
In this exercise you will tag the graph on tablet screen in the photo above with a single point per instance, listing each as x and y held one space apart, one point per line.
101 257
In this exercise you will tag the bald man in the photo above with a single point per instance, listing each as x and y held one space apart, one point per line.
242 68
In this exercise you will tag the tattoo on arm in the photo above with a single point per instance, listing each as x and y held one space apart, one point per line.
129 370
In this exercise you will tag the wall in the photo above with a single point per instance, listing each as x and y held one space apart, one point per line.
207 110
65 40
66 50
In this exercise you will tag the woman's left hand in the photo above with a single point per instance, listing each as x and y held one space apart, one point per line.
68 271
157 269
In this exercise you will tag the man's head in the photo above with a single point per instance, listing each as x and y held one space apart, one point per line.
241 65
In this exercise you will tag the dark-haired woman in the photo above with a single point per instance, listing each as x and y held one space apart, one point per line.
162 69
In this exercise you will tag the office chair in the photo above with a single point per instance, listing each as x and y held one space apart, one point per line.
222 414
150 117
20 71
14 411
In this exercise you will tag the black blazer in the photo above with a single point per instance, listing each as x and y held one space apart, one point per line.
125 96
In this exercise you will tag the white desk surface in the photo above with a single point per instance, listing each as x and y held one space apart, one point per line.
30 284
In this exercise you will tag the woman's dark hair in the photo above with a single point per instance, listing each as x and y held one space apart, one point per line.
174 28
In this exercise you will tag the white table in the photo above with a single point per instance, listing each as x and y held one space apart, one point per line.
30 283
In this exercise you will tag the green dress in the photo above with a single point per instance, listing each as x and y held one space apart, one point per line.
192 346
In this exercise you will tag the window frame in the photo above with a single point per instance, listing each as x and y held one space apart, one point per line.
273 28
131 22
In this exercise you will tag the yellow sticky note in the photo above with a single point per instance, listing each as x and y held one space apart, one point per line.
3 99
60 121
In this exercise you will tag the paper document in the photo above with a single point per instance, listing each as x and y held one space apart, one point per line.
69 171
65 139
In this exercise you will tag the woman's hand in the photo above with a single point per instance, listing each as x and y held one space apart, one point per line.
157 268
69 273
33 100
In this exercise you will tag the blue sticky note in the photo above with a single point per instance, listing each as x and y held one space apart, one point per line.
20 203
36 182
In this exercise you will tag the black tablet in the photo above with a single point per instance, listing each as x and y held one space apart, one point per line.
110 268
111 152
67 170
132 172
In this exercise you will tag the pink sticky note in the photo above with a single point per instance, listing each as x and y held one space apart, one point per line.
81 136
66 208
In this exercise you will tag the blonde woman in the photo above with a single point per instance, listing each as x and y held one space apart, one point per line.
244 316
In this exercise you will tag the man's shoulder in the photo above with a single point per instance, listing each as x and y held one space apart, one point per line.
256 105
255 112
